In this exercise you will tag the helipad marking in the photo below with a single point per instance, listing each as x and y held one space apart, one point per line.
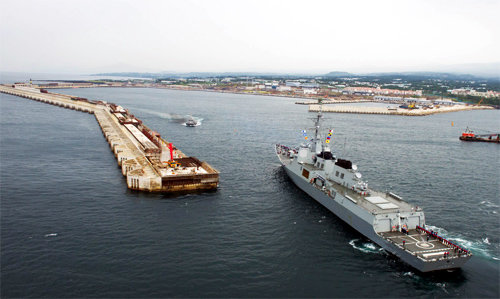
424 245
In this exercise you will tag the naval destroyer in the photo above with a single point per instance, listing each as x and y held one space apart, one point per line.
383 217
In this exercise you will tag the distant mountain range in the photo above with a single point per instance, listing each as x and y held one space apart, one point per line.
409 75
336 74
201 74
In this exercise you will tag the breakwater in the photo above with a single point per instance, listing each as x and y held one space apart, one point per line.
332 102
148 161
394 111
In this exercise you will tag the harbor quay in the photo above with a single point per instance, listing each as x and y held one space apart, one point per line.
148 161
394 111
333 102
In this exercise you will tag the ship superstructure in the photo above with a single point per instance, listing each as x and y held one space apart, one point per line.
383 217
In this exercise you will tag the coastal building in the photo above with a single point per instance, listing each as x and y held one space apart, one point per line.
309 91
292 83
472 92
387 98
420 101
381 91
444 102
283 88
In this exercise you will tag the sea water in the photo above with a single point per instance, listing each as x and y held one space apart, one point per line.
71 228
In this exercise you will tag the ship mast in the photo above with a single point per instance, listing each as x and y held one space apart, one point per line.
317 125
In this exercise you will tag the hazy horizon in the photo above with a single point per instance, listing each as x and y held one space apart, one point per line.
317 37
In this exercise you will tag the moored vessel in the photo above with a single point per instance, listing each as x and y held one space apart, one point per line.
469 135
383 217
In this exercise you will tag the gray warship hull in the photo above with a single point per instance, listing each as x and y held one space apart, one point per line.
385 218
358 219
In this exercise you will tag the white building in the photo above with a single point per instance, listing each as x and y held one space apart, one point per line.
388 99
310 90
284 88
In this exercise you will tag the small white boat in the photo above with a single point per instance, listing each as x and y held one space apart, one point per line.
191 122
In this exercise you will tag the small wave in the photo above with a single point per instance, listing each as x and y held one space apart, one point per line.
364 247
51 235
438 230
479 246
489 204
442 286
370 246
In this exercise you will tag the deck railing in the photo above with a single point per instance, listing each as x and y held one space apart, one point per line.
448 243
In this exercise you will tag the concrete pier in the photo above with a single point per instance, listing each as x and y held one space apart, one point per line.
149 162
394 111
324 102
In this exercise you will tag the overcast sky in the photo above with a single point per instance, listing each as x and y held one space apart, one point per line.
85 36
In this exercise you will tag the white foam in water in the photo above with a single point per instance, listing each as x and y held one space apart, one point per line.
171 116
365 247
370 246
438 230
198 122
473 246
51 235
442 286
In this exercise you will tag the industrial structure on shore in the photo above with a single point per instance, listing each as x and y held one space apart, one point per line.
394 110
149 162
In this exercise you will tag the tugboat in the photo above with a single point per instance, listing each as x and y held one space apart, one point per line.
383 217
469 135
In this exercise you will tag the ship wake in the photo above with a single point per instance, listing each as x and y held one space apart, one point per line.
366 247
483 246
172 117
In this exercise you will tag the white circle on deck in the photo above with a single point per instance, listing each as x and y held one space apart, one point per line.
425 245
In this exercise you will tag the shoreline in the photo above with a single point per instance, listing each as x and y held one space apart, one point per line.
396 111
313 107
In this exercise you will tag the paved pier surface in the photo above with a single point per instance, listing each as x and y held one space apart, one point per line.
149 162
394 111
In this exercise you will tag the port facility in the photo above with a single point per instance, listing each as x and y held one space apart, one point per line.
148 161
